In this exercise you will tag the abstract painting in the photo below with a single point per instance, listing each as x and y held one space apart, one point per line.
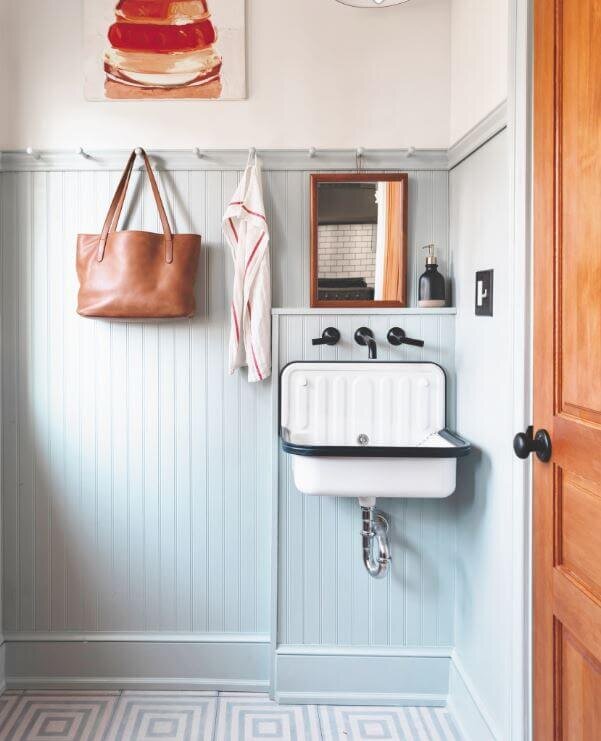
164 49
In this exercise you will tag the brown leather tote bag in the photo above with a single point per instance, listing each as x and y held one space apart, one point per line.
134 274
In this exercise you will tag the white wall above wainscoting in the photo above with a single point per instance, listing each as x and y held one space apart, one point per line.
319 73
479 61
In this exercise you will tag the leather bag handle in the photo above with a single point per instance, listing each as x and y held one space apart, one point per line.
114 212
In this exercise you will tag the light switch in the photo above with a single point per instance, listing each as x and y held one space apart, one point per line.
484 289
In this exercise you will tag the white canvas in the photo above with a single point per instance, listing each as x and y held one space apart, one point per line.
214 72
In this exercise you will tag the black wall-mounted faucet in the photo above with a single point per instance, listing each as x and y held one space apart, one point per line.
364 336
397 336
330 336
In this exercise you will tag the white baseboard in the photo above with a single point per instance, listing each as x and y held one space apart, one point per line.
304 675
367 676
361 699
118 663
182 684
133 637
466 707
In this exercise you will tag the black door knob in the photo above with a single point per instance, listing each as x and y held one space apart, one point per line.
525 443
330 336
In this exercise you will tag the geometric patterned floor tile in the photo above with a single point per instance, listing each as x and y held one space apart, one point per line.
257 718
387 724
177 716
8 702
72 717
63 715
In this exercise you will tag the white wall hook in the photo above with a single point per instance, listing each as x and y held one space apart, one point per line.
359 158
81 151
410 151
153 165
252 151
312 152
33 153
198 152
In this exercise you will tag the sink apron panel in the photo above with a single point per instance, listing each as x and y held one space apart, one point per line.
374 477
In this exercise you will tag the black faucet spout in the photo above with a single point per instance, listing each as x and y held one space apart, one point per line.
372 348
365 337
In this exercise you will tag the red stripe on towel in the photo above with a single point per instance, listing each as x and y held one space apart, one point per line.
252 349
235 317
248 211
255 248
233 228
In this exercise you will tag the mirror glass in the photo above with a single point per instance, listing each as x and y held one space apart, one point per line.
359 239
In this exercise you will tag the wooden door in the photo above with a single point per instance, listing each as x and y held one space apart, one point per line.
567 369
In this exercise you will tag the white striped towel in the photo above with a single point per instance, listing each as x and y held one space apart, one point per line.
245 229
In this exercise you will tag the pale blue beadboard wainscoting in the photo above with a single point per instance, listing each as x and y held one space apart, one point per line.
138 477
341 636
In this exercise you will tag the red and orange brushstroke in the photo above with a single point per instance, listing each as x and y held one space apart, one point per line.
162 49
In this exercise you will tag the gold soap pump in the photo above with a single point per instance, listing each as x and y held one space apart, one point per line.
432 288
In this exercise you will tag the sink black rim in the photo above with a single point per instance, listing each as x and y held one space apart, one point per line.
460 448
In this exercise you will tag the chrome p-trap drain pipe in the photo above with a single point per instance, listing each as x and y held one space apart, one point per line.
375 532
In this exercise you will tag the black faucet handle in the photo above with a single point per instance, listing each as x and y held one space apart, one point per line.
397 336
330 336
364 336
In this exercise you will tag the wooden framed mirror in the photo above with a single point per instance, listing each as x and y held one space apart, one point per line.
359 239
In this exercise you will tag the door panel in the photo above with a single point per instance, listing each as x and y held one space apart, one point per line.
579 187
579 540
567 369
580 689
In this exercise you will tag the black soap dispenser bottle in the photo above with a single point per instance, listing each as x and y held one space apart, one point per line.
431 283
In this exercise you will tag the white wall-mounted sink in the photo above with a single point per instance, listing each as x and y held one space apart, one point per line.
368 429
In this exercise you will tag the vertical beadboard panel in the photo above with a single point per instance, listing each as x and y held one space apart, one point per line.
26 599
137 474
10 392
326 597
133 496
